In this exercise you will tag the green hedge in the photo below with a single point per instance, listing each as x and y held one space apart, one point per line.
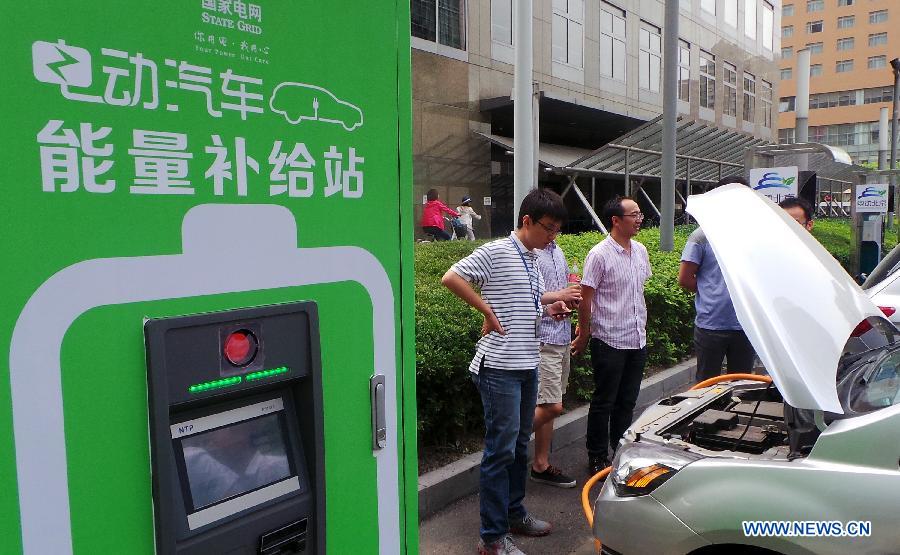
447 329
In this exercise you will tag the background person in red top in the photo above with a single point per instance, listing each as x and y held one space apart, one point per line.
432 219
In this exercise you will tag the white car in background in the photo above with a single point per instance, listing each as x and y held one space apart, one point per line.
883 285
703 472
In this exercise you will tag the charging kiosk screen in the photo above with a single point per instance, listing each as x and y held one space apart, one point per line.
234 460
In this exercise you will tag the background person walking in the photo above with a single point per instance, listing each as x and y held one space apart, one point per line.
433 218
466 213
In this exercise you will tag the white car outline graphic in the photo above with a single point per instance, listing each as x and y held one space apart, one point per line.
315 106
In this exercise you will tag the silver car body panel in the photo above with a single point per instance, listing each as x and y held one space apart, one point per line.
664 534
792 298
851 474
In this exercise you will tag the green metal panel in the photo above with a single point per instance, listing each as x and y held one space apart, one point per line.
117 120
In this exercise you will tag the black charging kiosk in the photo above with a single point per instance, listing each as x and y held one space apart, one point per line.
236 431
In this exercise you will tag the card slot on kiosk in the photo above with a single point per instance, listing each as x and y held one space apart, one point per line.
236 425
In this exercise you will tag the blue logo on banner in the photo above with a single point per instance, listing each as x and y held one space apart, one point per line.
773 180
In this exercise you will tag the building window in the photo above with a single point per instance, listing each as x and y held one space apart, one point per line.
707 80
832 99
684 71
787 10
750 19
787 31
708 6
878 94
568 32
612 42
878 39
787 73
786 52
815 70
786 104
814 48
877 62
651 58
502 22
768 19
730 12
879 16
441 21
765 102
846 43
815 5
845 22
845 3
814 27
786 136
749 97
729 79
844 66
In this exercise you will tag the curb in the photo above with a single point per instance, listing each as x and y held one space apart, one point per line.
459 479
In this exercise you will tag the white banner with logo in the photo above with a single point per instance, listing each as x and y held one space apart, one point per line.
775 183
872 198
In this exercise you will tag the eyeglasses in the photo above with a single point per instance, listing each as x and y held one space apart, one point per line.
635 215
550 230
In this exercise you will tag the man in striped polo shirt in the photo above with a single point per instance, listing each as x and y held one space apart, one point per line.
613 315
504 368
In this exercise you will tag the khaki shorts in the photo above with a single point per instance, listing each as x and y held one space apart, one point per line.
554 373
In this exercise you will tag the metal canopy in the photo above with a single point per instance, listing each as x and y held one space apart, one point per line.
550 156
829 162
704 153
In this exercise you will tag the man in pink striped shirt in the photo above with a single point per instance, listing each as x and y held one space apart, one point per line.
613 315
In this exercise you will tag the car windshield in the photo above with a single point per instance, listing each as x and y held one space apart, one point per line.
872 381
888 265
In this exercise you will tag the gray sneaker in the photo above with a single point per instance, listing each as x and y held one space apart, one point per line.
503 546
530 526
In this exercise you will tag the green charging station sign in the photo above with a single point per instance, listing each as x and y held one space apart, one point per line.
170 158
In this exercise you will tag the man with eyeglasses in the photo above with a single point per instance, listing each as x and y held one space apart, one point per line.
800 209
513 301
717 333
613 315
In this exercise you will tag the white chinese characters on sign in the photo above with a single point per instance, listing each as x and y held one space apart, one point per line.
132 80
160 163
78 157
70 160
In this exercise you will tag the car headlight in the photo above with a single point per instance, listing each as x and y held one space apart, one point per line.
641 467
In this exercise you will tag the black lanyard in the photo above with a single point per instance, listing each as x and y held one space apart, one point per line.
531 287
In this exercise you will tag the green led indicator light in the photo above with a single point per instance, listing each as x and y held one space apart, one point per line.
262 374
215 384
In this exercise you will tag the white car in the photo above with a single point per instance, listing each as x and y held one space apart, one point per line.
883 285
809 464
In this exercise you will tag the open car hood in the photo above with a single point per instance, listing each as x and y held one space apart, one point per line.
796 304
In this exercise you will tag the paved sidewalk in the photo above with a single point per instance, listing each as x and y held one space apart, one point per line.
448 498
454 530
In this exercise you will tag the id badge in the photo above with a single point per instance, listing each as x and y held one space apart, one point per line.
537 326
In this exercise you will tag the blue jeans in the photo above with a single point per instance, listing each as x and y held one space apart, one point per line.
508 397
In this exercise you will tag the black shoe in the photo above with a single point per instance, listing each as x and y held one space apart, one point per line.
597 463
553 476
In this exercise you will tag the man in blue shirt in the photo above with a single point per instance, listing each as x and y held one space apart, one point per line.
717 332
